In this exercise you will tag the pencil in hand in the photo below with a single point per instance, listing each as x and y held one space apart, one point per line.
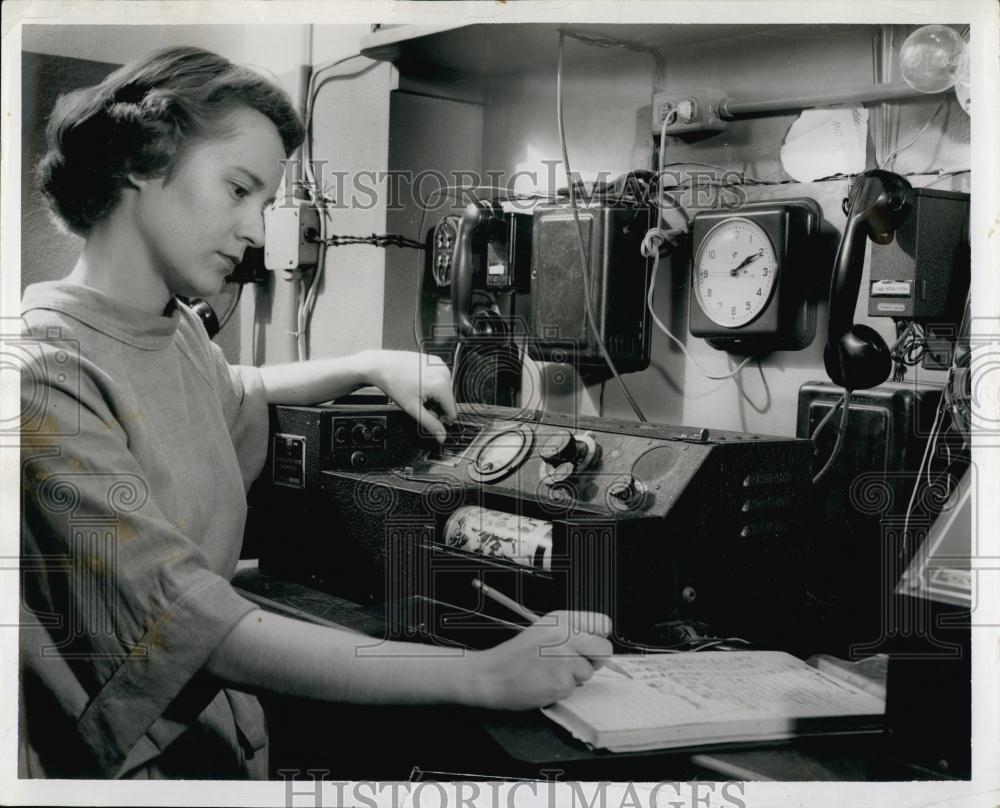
528 615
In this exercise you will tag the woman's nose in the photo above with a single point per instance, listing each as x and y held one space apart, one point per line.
251 228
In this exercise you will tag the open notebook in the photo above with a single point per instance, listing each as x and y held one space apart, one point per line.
709 697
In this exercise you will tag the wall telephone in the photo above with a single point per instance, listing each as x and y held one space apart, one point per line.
529 264
492 250
920 270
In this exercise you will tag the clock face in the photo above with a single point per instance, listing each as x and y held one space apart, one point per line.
735 271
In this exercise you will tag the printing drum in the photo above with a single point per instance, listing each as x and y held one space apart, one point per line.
520 539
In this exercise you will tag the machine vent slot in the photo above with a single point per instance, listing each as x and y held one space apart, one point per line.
778 478
765 504
756 529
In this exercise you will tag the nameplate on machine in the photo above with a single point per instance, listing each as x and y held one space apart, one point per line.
289 466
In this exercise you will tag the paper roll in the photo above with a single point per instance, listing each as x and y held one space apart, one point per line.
520 539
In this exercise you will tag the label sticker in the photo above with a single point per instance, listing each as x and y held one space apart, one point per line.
897 288
891 307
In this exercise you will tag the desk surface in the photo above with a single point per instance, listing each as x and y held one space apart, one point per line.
531 739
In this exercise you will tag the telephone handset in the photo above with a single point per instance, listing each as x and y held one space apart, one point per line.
856 356
477 217
206 314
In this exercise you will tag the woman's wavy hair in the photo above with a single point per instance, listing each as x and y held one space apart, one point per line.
139 120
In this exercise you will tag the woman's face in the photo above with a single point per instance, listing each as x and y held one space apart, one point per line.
196 223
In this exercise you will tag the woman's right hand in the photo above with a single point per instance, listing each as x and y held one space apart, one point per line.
543 663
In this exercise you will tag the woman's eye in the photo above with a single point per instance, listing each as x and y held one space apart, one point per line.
239 191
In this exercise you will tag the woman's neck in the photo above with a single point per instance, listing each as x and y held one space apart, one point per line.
115 262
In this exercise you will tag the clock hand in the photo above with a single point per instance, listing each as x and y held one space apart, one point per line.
750 258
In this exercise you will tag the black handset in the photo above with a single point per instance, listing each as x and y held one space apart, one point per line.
200 306
476 216
856 356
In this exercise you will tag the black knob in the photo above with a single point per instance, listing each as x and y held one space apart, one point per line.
340 434
359 460
622 489
558 448
378 433
361 433
627 492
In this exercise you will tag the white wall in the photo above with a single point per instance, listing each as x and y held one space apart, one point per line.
607 113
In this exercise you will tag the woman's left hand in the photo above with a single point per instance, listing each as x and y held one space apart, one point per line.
412 380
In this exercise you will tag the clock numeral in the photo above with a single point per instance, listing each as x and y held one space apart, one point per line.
711 253
764 272
704 273
748 305
758 293
732 311
708 293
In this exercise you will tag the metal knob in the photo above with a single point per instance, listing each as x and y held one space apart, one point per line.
560 447
626 493
361 433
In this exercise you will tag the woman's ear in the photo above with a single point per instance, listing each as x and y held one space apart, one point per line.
135 181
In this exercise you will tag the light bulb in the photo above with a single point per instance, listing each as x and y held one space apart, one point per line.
930 57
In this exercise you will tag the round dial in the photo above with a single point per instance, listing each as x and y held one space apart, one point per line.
501 454
735 271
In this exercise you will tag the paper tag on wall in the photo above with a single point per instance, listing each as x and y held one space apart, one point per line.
824 142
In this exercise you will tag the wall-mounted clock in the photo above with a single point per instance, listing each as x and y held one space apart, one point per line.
752 273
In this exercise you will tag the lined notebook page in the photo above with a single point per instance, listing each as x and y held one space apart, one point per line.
724 687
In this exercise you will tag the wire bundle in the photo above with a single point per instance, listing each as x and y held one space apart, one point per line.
909 348
384 240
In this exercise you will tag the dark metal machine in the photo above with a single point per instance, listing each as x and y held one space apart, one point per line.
648 523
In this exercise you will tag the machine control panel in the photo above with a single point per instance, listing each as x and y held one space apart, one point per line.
645 522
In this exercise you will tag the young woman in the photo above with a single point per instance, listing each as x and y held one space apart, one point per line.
137 656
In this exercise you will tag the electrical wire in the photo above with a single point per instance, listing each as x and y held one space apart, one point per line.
668 119
608 42
383 240
960 418
584 258
846 407
650 249
317 197
232 307
932 437
916 485
890 161
908 349
943 175
826 418
705 642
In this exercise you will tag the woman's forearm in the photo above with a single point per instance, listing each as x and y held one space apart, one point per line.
540 665
318 380
268 652
410 379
